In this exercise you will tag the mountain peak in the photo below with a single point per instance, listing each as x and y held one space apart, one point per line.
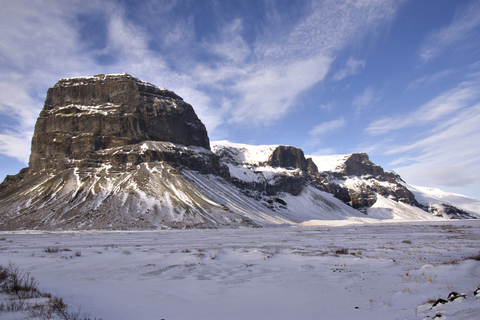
86 114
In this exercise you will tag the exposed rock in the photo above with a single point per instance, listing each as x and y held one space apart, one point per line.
148 195
358 164
291 157
109 152
84 115
446 210
293 172
114 152
367 181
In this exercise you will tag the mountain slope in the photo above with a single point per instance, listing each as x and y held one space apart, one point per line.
385 194
115 152
381 196
446 204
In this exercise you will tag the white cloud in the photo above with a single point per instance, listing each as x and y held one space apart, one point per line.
16 145
267 94
428 80
443 105
231 45
253 83
364 101
285 63
448 156
327 126
351 68
453 36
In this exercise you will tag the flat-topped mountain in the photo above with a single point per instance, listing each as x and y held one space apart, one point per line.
85 115
112 151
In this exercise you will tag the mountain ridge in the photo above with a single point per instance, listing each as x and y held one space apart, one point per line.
115 152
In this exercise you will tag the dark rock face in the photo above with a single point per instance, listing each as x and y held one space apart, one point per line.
111 152
286 157
358 164
291 157
364 195
85 115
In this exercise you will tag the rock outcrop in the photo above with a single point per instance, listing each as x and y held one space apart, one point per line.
84 115
366 181
108 151
359 164
291 157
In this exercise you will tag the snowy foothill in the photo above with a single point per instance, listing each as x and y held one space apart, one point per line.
433 196
332 271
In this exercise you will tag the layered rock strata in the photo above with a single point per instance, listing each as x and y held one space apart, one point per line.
108 151
84 115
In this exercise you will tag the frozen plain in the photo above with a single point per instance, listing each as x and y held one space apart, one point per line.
390 271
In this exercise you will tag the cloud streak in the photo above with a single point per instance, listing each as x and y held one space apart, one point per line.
363 101
352 67
327 126
443 105
463 25
450 156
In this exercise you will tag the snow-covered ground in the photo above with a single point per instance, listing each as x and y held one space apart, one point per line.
356 271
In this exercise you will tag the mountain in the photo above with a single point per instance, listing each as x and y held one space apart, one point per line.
115 152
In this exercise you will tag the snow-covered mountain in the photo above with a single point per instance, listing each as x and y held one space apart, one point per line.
352 178
112 151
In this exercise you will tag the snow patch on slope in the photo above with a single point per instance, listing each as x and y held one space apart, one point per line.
385 208
243 153
331 163
433 196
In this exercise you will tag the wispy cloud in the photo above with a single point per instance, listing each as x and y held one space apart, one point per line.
327 126
448 156
283 65
319 131
16 144
364 100
428 80
351 68
464 25
443 105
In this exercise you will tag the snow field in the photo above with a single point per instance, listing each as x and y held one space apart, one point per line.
370 271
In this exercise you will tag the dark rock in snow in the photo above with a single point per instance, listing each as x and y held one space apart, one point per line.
455 295
448 211
358 164
291 157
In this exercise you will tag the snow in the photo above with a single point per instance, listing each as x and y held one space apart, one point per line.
104 109
244 153
433 196
385 208
87 80
391 271
329 163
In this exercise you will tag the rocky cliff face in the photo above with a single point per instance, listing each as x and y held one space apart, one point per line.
108 152
358 182
82 116
359 164
291 157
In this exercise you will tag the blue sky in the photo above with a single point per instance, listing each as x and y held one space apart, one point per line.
399 80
